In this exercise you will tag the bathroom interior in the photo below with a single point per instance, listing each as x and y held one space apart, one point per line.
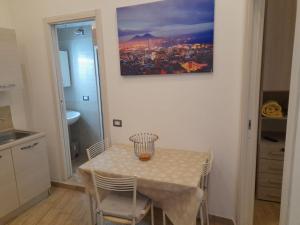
81 88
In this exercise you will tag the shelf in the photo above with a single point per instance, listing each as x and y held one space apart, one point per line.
268 118
280 136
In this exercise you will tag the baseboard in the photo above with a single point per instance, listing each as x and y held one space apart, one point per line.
68 186
21 209
220 220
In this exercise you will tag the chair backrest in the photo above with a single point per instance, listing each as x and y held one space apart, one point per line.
122 184
206 171
208 164
96 149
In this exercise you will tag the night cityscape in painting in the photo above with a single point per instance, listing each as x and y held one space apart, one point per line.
166 37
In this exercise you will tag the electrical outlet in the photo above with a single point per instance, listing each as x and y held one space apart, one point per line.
117 123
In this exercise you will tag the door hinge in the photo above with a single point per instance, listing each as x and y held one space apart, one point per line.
249 124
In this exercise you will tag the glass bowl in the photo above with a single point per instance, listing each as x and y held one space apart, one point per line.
144 145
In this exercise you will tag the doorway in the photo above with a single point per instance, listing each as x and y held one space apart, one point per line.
76 53
81 88
276 64
256 94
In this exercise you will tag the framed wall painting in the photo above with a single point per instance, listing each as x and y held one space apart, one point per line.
166 37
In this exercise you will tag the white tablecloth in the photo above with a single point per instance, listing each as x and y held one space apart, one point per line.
171 178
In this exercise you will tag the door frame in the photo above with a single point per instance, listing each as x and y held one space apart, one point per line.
52 44
250 106
249 111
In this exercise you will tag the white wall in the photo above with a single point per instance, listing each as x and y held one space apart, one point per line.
186 111
14 98
5 16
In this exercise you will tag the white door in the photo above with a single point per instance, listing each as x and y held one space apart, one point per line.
8 188
31 169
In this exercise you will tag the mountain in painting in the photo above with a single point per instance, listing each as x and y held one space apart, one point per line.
143 37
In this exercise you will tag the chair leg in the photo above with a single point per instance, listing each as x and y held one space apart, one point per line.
164 218
201 213
92 209
97 218
152 214
101 219
206 211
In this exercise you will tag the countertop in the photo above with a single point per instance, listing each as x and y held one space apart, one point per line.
22 140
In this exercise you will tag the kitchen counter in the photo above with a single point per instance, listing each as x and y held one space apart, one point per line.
25 177
21 140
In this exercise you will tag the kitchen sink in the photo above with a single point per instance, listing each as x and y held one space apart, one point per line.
13 135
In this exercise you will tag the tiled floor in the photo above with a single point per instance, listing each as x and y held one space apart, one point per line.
70 207
266 213
75 180
78 161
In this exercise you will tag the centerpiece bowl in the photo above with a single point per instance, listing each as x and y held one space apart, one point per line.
144 145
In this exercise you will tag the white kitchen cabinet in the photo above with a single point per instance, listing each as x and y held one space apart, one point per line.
8 187
10 74
31 169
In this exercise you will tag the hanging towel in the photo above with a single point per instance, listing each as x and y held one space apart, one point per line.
272 109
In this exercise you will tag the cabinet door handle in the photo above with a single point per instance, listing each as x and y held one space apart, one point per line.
29 146
0 156
7 85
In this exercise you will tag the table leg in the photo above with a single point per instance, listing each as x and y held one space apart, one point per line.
164 218
92 209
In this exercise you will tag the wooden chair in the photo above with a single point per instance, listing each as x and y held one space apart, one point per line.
121 204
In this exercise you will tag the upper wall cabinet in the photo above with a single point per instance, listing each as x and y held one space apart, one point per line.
278 44
10 68
65 68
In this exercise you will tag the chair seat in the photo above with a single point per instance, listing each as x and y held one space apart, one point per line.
120 205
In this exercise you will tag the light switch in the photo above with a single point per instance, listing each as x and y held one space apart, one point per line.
117 123
86 98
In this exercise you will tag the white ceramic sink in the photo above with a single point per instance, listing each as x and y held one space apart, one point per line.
72 117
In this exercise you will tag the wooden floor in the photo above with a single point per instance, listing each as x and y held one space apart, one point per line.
63 207
266 213
76 180
70 207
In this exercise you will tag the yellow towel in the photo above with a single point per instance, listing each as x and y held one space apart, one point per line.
272 109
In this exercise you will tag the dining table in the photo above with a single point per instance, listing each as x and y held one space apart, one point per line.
170 178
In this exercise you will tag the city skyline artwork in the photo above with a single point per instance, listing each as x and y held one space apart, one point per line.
166 37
